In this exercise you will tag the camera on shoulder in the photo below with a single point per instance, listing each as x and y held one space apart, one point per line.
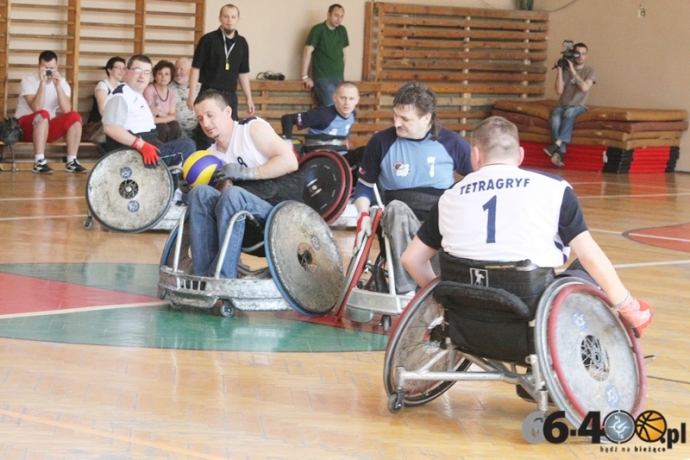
569 54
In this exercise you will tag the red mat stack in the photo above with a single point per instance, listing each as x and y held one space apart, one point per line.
608 139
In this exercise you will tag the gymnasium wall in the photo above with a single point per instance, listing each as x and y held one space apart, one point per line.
640 62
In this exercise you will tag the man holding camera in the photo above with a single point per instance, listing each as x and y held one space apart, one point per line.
573 81
41 94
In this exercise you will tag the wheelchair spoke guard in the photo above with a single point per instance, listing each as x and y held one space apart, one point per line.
325 182
124 196
590 360
303 258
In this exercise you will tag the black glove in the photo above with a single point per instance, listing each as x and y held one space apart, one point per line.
184 186
233 171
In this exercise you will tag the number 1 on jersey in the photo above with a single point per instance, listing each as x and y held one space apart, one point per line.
490 206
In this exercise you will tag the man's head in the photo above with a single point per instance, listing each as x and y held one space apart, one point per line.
213 113
116 67
336 14
47 63
495 140
414 111
229 17
582 49
138 74
346 98
182 68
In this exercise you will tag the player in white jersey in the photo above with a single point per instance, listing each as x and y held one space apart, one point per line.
504 213
257 166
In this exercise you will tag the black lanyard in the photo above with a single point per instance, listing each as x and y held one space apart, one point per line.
227 52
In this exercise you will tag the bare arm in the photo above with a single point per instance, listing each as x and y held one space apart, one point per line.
246 89
101 96
281 158
306 61
193 81
37 100
559 81
417 261
598 266
584 85
64 101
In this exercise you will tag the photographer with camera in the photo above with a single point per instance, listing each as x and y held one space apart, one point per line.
573 81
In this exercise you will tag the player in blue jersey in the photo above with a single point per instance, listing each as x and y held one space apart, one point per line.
412 163
511 214
329 127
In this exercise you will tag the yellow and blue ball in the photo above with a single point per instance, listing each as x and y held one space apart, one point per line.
199 168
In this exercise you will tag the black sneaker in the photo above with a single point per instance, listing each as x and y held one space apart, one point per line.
74 166
557 159
41 167
551 149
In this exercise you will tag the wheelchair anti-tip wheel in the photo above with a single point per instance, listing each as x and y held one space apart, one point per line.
589 359
412 346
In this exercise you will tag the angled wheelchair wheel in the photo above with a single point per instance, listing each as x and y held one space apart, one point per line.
303 258
411 347
589 359
125 196
168 254
358 262
326 180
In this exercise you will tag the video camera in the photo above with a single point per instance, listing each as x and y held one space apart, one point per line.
569 54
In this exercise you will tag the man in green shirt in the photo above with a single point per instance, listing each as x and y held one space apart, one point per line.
325 51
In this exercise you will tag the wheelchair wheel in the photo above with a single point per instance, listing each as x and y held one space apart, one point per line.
589 359
168 254
125 196
410 347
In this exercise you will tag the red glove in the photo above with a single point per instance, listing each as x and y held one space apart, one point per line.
637 313
363 229
148 151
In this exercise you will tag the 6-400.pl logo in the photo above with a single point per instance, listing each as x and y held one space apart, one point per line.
617 427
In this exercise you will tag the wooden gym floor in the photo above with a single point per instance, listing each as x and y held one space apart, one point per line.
93 365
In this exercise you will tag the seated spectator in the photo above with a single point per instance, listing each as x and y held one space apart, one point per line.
519 215
162 101
40 95
180 86
115 72
255 177
329 127
413 163
128 121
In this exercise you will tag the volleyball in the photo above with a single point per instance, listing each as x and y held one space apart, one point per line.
199 168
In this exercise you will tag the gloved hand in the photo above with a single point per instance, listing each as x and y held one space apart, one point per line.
184 186
148 151
363 229
636 313
233 171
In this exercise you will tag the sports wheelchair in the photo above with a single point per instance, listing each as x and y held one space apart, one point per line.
304 269
558 340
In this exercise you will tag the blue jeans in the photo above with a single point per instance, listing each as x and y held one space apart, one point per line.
324 88
562 121
210 212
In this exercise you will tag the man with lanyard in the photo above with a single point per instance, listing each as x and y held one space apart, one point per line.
221 59
256 177
413 163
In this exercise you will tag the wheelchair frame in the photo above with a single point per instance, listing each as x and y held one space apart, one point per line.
435 365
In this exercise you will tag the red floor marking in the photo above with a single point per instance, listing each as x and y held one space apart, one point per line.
330 320
24 294
678 237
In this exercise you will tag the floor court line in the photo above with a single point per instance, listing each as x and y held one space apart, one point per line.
10 219
55 198
85 309
655 237
91 431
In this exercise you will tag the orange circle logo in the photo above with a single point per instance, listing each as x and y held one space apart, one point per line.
650 426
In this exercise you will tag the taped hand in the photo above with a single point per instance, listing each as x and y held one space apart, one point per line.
233 171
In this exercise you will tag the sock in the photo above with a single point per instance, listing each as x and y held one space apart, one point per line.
39 157
71 158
